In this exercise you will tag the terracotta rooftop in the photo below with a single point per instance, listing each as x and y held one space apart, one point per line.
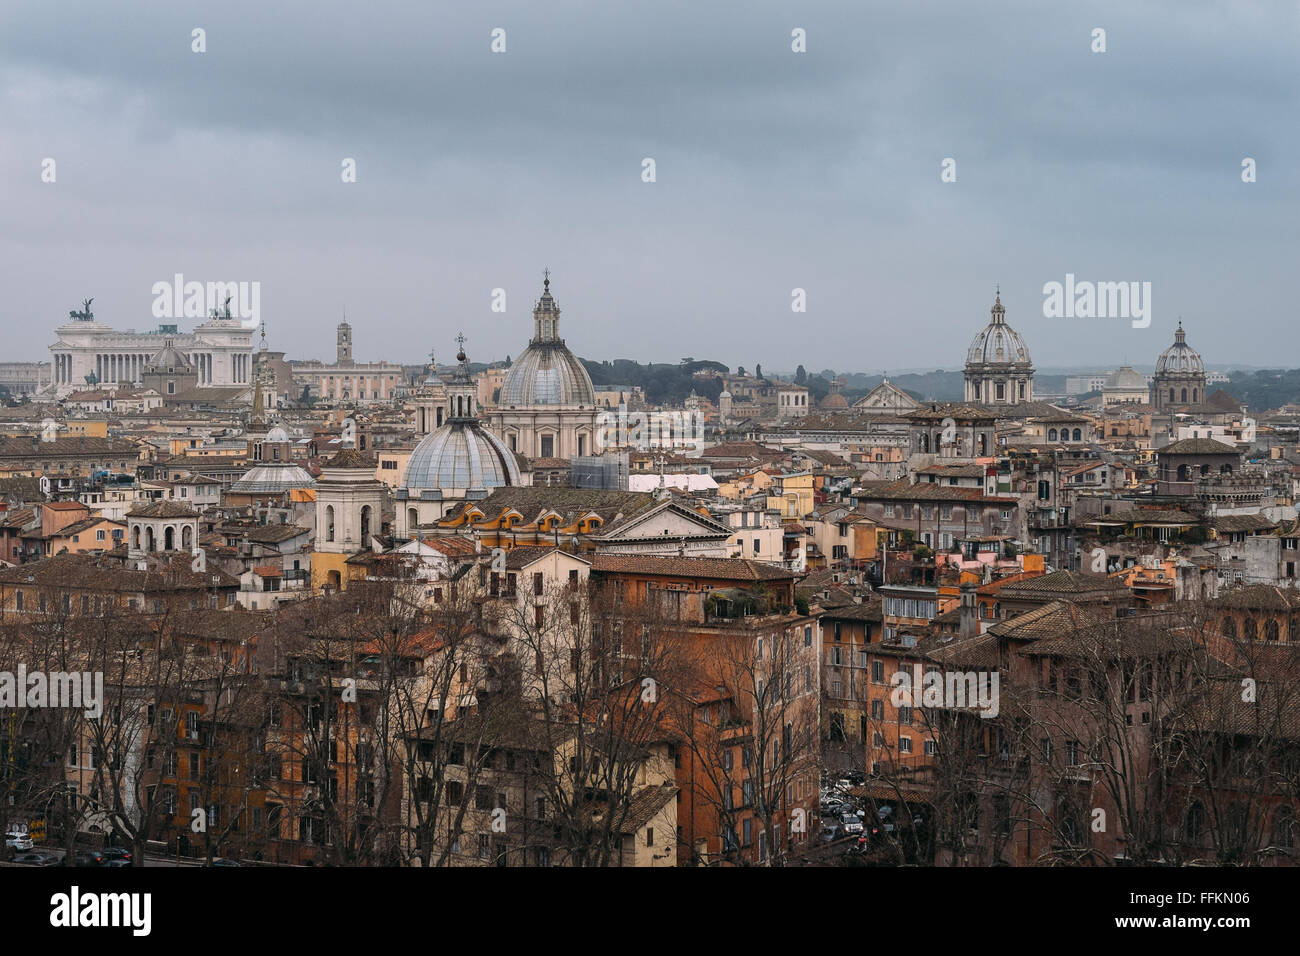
727 569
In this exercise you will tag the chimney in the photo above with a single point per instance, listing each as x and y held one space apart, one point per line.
969 616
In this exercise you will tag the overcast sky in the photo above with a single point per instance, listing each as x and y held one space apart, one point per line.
775 170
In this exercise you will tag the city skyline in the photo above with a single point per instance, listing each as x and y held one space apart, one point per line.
775 171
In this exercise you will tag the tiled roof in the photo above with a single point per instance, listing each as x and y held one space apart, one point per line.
1062 582
1230 523
265 533
1050 620
742 449
99 573
1197 446
954 410
522 557
85 524
1258 597
645 803
162 509
726 569
866 611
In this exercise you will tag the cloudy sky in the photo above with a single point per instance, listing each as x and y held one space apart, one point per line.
775 170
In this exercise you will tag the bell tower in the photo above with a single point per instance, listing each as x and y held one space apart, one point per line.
345 343
462 393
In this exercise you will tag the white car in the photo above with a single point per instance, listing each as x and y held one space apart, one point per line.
851 823
18 841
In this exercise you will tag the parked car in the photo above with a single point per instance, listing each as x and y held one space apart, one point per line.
37 858
830 834
851 823
111 853
18 841
88 858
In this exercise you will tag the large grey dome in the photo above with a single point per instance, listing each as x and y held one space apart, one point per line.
1126 377
460 454
1180 358
998 343
273 478
547 373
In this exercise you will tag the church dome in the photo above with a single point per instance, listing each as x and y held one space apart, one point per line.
1180 358
461 454
273 478
547 373
1126 378
169 359
997 343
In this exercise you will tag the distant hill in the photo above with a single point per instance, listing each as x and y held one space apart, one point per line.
1266 388
938 386
662 383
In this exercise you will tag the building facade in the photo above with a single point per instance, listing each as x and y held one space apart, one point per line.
90 352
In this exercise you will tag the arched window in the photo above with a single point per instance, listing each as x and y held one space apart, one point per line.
1051 434
334 580
1184 473
1205 470
412 520
365 523
1230 628
1078 434
135 537
169 538
1171 394
1249 629
1184 395
925 443
1225 469
329 522
1193 395
149 543
187 537
1270 630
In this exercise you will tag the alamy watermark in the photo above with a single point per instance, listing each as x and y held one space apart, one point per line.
976 690
77 689
196 300
1098 300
